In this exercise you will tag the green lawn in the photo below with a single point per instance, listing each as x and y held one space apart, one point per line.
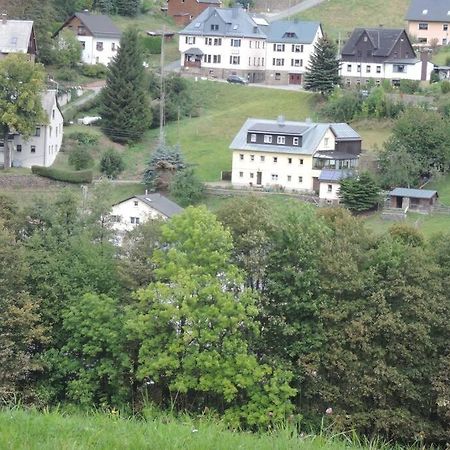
442 185
373 132
440 58
342 16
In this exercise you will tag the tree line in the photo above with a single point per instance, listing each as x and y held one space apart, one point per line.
258 314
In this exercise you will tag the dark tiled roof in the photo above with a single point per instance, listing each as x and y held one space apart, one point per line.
292 31
429 10
99 25
278 127
383 39
413 193
161 204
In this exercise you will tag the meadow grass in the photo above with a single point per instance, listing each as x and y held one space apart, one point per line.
342 16
442 185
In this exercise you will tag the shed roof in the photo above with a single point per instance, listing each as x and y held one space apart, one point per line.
413 193
15 36
429 10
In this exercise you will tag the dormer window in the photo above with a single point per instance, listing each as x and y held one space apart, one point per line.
267 139
295 141
253 138
289 34
214 27
281 140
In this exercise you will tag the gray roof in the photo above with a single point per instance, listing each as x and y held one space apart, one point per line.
160 203
48 99
15 36
234 22
334 175
292 32
383 40
429 10
312 134
99 25
194 51
413 193
403 61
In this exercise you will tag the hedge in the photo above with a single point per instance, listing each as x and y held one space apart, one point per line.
80 176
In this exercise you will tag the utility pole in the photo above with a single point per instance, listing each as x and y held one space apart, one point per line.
162 93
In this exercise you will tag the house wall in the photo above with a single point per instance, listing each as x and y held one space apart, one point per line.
127 209
329 191
436 32
47 145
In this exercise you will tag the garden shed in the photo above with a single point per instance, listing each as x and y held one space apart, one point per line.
422 200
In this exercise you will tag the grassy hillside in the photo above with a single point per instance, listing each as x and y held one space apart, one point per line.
21 430
344 15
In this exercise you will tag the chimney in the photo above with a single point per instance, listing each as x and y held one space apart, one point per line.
280 121
4 18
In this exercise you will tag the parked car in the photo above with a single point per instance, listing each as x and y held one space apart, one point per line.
237 79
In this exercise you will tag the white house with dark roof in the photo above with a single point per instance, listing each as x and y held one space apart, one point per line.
42 147
98 35
294 155
429 21
382 53
131 212
229 41
17 36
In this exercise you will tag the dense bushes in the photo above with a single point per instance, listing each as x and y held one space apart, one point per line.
94 70
80 176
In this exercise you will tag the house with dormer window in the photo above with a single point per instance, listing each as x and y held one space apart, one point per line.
229 41
296 156
376 54
429 21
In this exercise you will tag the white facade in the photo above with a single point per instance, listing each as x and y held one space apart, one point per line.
329 191
98 50
41 148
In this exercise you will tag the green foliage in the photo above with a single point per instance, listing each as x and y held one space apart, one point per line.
360 193
409 86
80 176
163 164
66 74
80 158
111 163
186 187
21 109
125 106
445 87
399 168
322 73
151 44
94 70
84 137
127 7
406 234
67 50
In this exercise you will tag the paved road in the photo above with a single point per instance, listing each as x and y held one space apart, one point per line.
300 7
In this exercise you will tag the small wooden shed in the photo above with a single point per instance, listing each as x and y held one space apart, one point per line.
414 199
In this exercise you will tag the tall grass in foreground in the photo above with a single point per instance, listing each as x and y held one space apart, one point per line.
25 429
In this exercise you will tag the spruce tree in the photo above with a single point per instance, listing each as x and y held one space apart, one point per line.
127 7
322 73
359 194
126 109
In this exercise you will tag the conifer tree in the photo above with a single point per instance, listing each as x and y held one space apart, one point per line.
127 7
126 106
359 193
322 73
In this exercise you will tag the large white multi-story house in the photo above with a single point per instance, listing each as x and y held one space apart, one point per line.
98 35
295 156
382 53
41 148
229 41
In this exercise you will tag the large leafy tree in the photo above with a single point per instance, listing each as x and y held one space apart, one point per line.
322 73
21 110
125 103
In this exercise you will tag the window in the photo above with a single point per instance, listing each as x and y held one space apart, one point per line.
297 48
252 157
422 40
378 69
277 76
190 40
369 53
207 58
289 160
19 148
81 31
281 140
53 113
296 62
136 203
289 178
295 141
423 26
399 68
278 61
113 46
349 67
253 138
37 132
217 41
251 174
99 46
278 47
444 41
241 174
267 138
235 42
445 26
301 162
262 158
300 179
367 68
236 60
135 220
275 159
33 149
274 177
241 157
330 188
50 131
358 68
325 141
214 27
83 44
208 41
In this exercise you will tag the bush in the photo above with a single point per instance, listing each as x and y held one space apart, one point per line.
151 44
81 176
94 70
409 86
111 163
84 137
445 87
66 74
186 187
80 158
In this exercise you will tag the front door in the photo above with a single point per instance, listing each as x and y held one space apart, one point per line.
295 78
258 178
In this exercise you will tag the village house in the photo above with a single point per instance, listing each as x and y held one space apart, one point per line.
129 213
295 156
376 54
428 21
98 35
183 11
17 36
41 148
229 41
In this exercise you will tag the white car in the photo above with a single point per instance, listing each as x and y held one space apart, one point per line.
88 120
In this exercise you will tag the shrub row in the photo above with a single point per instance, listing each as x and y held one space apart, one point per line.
80 176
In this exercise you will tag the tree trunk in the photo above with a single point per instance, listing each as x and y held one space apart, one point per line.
6 152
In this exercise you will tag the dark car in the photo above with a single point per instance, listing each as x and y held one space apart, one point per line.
236 79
